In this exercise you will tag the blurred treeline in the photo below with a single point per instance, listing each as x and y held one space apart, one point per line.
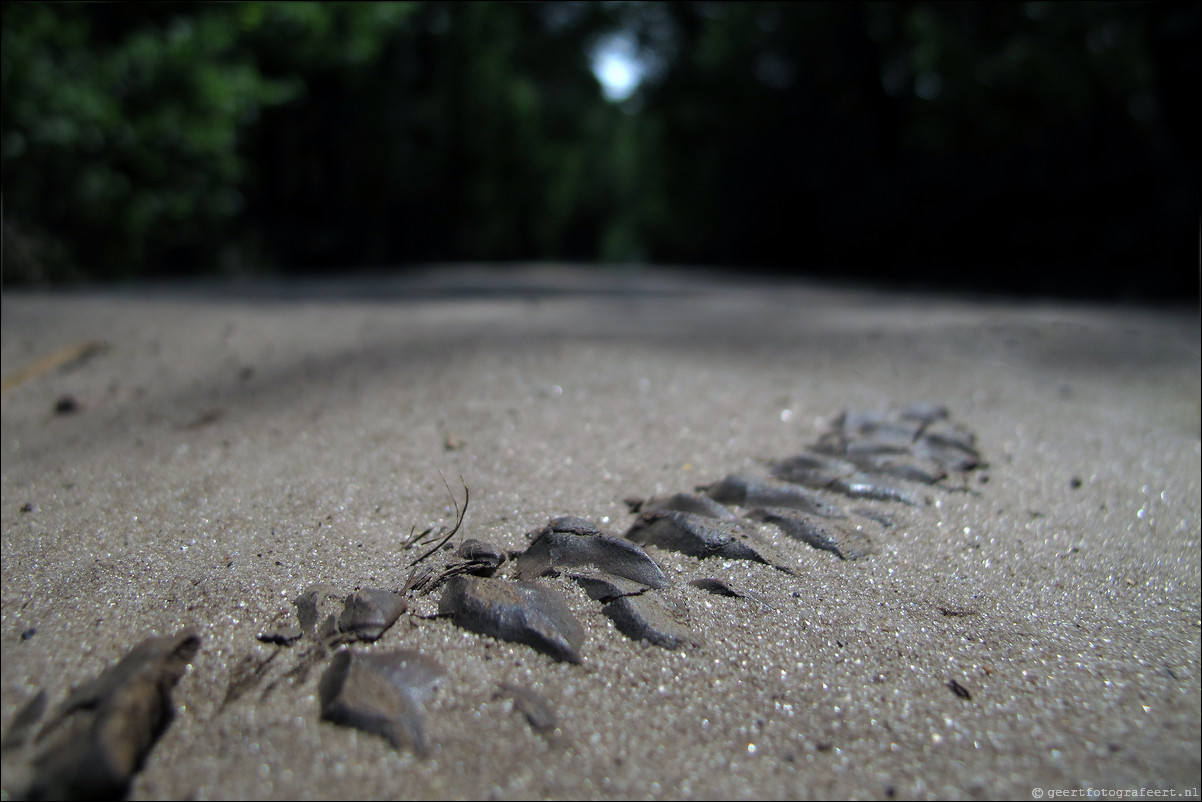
1048 147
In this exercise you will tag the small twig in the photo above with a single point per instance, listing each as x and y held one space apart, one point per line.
413 539
418 579
431 579
458 519
55 359
425 541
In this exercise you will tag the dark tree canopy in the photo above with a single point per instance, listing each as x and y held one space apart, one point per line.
1038 147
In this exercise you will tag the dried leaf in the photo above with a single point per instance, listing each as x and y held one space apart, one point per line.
605 587
368 613
702 537
653 618
684 502
840 476
523 612
364 614
533 705
315 604
576 543
103 731
720 587
381 693
748 492
488 556
848 544
23 722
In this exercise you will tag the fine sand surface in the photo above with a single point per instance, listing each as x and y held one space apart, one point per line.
226 447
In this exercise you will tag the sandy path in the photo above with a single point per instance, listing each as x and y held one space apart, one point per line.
232 446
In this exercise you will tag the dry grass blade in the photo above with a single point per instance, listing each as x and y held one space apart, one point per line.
55 359
459 513
415 539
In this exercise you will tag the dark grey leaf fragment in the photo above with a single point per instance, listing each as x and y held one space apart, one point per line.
954 450
716 587
368 613
605 587
748 492
811 470
864 485
22 724
364 615
840 476
282 637
702 537
315 604
381 693
924 432
533 705
104 730
720 587
576 543
907 466
949 433
485 557
847 543
523 612
651 617
572 525
684 502
863 423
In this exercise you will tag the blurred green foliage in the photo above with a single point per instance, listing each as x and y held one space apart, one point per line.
121 135
153 138
976 143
